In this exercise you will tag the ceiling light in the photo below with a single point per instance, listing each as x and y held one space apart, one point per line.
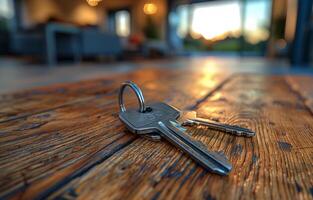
150 8
93 2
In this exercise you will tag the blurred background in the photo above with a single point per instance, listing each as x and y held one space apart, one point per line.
43 42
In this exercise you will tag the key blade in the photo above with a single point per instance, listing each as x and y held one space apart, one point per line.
212 161
233 129
218 157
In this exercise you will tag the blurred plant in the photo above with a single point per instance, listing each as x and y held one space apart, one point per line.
151 30
191 43
232 44
3 24
228 44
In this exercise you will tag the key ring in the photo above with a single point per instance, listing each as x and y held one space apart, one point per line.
138 93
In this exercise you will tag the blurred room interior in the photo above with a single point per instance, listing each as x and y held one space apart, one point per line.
52 41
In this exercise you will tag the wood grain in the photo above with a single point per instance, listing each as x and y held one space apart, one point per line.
48 142
276 164
22 104
303 85
43 99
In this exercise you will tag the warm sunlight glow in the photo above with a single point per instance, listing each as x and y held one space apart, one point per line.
213 21
221 19
150 8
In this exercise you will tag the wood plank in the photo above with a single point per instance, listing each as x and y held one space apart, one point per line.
45 150
303 86
42 99
20 104
276 164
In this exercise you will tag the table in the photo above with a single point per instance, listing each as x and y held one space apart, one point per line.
72 33
65 141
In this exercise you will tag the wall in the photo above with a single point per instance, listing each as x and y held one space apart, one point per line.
74 11
80 13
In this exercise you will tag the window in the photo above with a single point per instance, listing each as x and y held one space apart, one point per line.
225 25
122 23
6 13
216 20
6 9
257 21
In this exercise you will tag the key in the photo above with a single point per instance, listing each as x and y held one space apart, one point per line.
161 118
189 118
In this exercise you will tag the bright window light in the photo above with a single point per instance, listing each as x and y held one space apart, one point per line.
257 21
6 9
183 26
122 23
216 20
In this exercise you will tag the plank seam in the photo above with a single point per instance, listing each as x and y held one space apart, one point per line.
65 104
299 95
45 110
85 169
220 86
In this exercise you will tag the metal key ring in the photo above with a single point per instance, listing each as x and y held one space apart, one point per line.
138 93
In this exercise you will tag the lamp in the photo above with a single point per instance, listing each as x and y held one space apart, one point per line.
93 2
150 8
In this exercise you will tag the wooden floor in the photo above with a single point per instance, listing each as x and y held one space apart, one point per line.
65 141
18 74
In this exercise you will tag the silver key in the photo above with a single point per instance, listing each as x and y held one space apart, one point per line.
161 118
189 118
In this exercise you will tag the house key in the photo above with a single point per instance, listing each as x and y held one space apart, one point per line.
189 118
161 118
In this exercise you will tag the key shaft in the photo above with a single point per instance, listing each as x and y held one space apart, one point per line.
212 161
232 129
